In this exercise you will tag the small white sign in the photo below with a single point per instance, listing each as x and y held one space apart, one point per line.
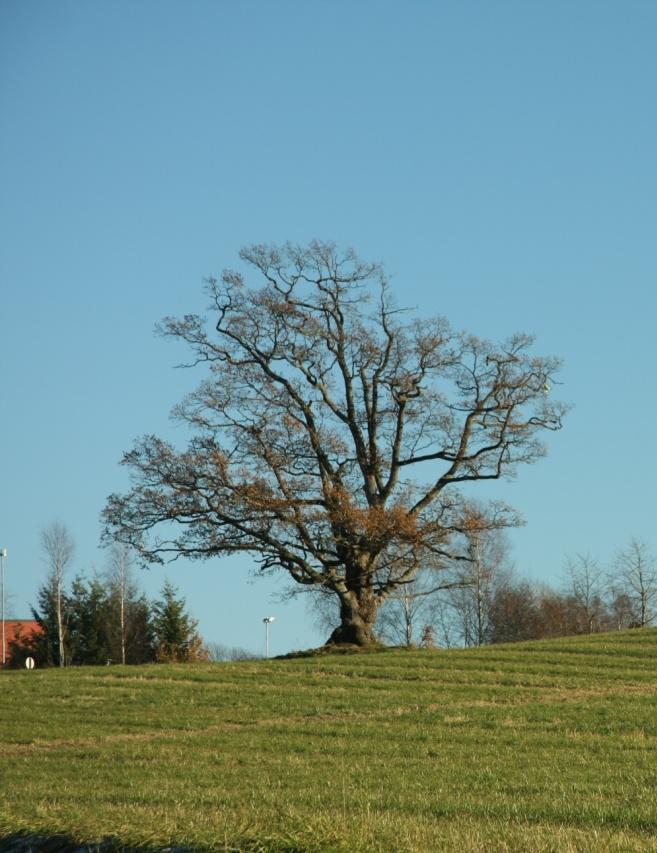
29 663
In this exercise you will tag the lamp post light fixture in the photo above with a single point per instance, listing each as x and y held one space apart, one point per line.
3 555
267 620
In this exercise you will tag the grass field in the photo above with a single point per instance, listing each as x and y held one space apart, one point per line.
538 746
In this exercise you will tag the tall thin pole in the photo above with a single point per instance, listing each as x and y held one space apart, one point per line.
3 554
267 620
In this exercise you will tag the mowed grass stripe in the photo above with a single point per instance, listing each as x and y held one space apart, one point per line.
518 747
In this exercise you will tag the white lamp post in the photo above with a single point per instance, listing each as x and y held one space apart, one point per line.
267 620
3 554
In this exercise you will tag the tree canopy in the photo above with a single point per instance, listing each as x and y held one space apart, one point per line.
333 432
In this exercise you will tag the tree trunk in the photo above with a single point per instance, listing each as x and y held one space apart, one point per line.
60 625
122 624
357 619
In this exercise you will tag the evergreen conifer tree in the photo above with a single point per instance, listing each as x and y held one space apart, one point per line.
176 637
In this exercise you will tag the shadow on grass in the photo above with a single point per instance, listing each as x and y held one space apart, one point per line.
19 842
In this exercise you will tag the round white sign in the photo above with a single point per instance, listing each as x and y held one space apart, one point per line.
29 663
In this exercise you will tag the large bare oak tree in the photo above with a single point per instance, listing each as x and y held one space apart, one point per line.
332 432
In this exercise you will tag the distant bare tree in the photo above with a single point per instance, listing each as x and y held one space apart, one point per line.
621 610
58 547
443 623
556 614
465 580
219 652
584 585
514 613
635 575
406 612
122 588
485 566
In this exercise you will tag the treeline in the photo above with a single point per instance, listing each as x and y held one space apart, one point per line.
483 600
107 620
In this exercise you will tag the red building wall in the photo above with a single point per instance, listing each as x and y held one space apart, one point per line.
22 628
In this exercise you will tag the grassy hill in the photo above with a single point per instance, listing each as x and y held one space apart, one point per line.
538 746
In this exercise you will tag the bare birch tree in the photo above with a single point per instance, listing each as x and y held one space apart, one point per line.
58 547
635 576
332 431
121 588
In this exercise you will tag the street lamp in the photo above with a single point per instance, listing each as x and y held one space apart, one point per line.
267 620
3 555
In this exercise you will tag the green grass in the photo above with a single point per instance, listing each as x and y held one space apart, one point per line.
537 746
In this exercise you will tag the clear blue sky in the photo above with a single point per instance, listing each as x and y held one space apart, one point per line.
498 157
